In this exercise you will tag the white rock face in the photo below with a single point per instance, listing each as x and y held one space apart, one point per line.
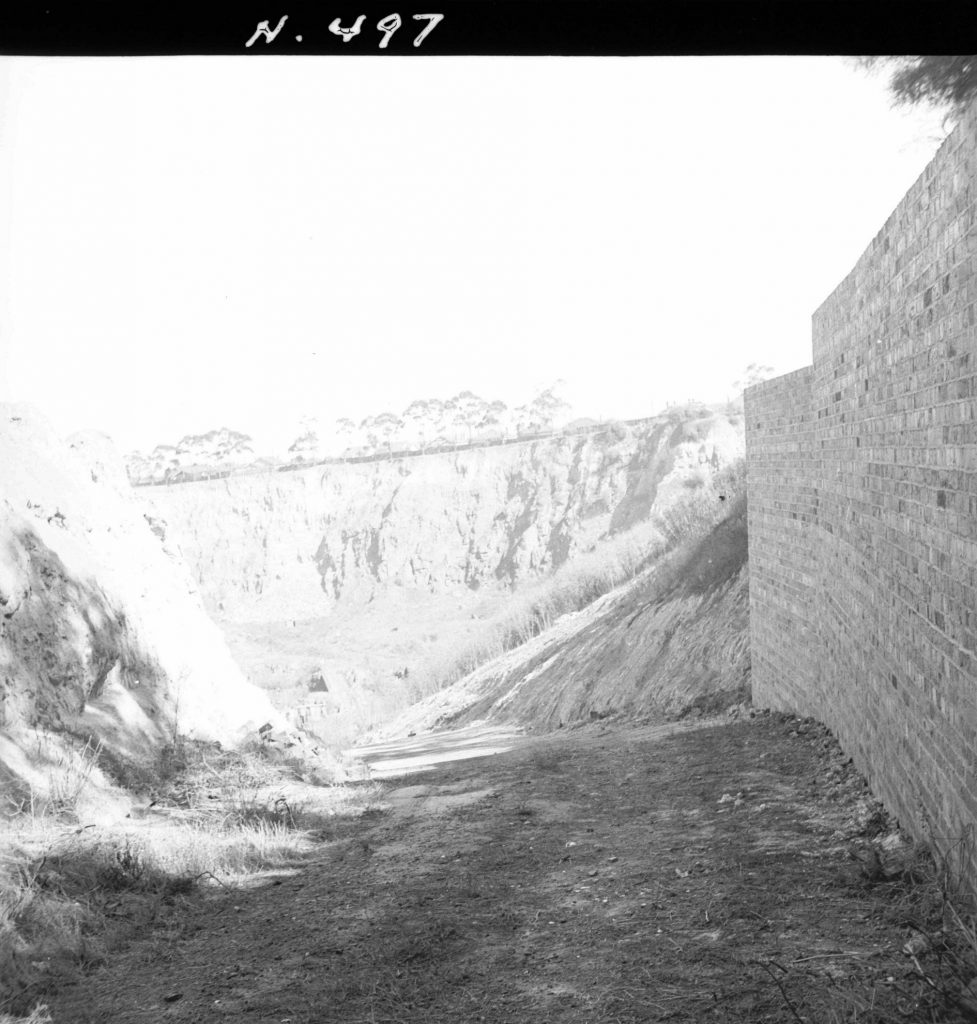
100 629
291 545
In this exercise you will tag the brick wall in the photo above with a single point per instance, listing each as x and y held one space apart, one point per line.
862 476
782 512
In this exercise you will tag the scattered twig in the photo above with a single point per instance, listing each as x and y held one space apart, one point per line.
783 991
210 874
830 956
919 967
969 932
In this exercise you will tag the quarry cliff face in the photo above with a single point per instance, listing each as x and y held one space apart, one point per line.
293 545
101 631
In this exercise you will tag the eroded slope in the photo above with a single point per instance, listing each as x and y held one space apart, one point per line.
101 631
674 640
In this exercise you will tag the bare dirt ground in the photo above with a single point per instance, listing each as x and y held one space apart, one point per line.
604 875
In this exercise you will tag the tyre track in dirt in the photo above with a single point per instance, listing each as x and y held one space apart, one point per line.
603 875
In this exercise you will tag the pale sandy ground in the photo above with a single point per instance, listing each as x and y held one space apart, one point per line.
420 753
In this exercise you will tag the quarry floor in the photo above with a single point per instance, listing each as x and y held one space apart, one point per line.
601 875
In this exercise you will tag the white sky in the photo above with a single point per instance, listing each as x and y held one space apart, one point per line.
188 243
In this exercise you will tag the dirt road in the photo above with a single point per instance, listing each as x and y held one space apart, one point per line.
601 876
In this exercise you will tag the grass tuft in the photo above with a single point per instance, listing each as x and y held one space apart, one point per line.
70 891
39 1015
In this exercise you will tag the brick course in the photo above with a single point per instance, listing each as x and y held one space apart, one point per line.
862 477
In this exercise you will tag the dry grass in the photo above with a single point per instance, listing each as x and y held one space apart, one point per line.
590 576
39 1015
68 767
70 892
929 977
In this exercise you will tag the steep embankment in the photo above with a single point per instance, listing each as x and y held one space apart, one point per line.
674 640
101 632
344 589
270 546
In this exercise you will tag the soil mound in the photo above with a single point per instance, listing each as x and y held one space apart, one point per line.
673 642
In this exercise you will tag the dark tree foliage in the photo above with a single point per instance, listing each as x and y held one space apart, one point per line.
940 81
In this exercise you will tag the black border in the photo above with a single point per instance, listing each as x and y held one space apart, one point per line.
496 27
